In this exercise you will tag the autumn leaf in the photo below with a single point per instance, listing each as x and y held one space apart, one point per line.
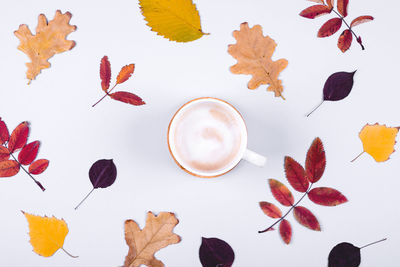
47 235
29 153
318 1
176 20
253 52
315 161
48 41
144 243
281 193
326 196
342 7
215 252
9 168
270 209
285 230
128 98
105 73
361 19
330 27
19 137
315 11
306 218
330 3
4 153
4 135
125 73
296 175
345 40
38 166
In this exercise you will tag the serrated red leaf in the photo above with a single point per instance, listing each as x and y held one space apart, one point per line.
125 73
28 153
4 153
345 40
315 161
330 3
38 166
285 230
9 168
281 193
296 175
330 27
270 209
326 196
19 137
315 11
361 19
127 97
342 7
306 218
105 73
4 134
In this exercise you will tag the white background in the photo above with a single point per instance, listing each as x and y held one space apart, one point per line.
74 135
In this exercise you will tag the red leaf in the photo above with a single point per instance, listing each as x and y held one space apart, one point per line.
4 135
286 231
330 27
8 168
361 19
316 161
270 210
105 73
315 11
29 153
127 97
345 40
342 7
306 218
326 196
318 1
296 175
281 192
4 153
19 137
38 166
125 73
330 3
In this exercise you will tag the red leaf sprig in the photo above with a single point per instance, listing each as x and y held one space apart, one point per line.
302 181
17 142
124 74
333 25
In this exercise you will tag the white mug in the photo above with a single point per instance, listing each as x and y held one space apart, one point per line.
207 137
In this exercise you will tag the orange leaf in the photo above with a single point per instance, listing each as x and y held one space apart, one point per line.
306 218
8 168
4 153
330 3
345 40
326 196
281 193
4 135
342 7
19 137
315 11
125 73
361 19
296 175
270 210
286 231
330 27
105 73
29 153
127 97
315 161
38 166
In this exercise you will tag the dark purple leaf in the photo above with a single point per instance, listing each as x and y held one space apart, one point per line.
338 86
103 173
344 255
215 252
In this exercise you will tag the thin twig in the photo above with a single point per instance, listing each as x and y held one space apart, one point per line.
69 254
84 199
357 156
367 245
107 93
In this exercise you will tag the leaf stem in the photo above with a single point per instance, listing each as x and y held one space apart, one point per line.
292 207
84 199
367 245
315 108
357 156
69 254
348 26
107 93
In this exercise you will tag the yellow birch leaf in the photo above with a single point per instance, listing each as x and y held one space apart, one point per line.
47 234
157 234
379 140
176 20
48 41
253 52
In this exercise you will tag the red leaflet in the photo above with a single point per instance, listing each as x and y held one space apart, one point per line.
29 153
306 218
4 153
342 7
296 175
330 27
105 73
286 231
125 73
127 97
270 209
315 11
8 168
281 192
38 166
318 1
361 19
4 135
330 3
326 196
19 137
345 40
316 161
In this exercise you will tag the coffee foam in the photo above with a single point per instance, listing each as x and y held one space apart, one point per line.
207 136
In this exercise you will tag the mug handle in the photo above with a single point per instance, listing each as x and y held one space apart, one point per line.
254 158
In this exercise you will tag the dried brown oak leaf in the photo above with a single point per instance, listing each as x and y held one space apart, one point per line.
48 41
253 52
143 244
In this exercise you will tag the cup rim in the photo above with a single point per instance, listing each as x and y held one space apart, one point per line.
169 145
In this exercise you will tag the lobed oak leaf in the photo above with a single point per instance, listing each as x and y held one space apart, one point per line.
143 244
342 7
361 19
326 196
128 98
4 134
4 153
270 209
18 137
330 27
296 175
285 230
105 73
315 11
9 168
38 166
29 153
281 193
125 73
253 52
215 252
345 40
306 218
315 161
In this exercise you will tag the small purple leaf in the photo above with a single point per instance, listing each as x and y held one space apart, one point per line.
103 173
338 86
216 252
344 255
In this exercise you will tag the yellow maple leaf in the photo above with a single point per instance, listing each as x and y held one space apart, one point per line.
378 141
47 234
156 235
176 20
253 52
48 41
